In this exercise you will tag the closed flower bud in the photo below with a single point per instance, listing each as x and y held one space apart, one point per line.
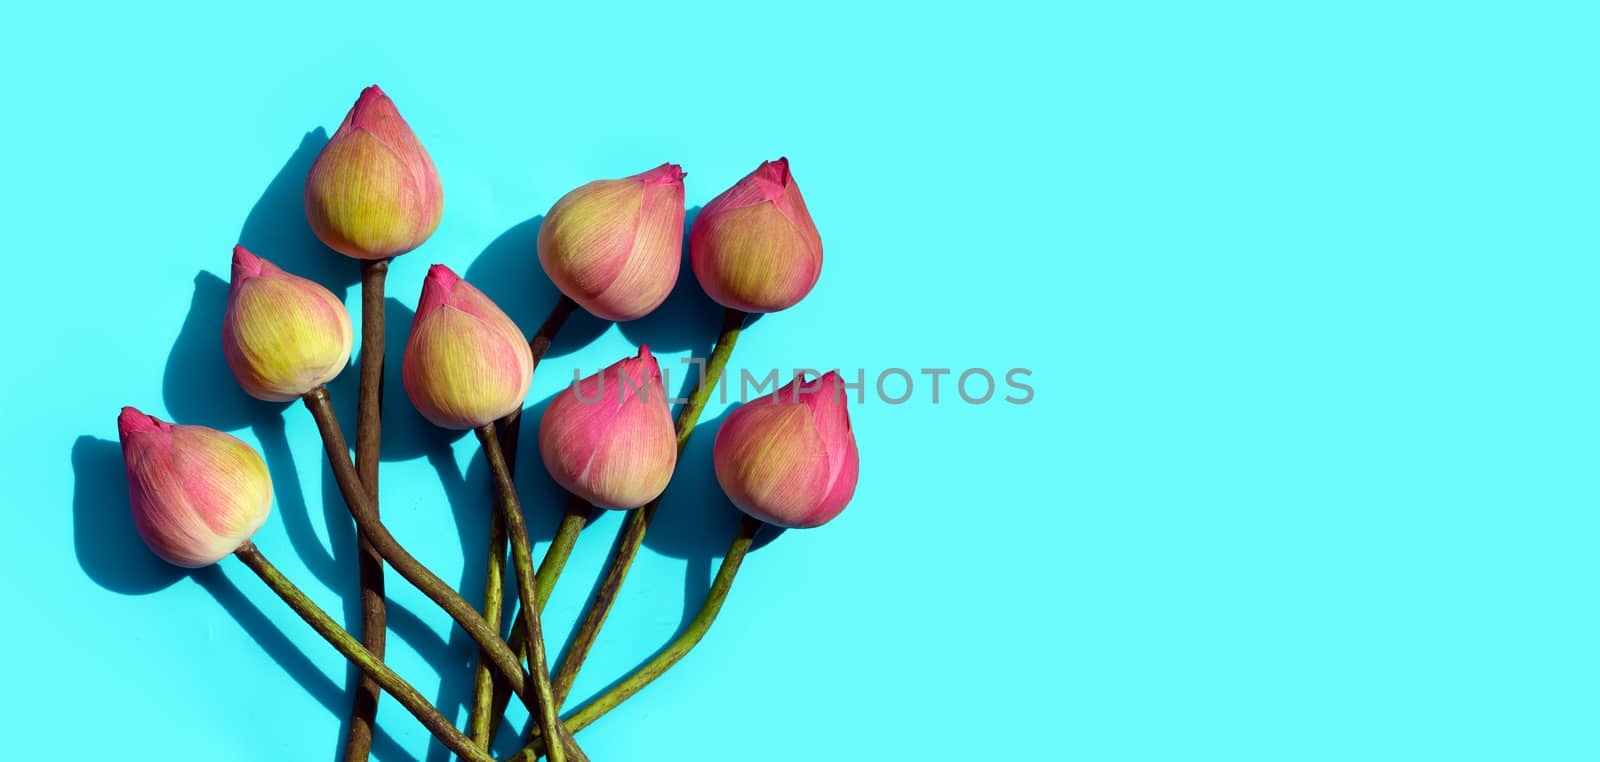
373 191
754 248
197 493
613 246
609 438
466 364
789 458
282 335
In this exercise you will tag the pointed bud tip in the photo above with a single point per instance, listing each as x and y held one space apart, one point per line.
778 169
436 289
773 178
373 103
810 382
646 360
246 263
828 389
666 174
132 421
443 276
370 96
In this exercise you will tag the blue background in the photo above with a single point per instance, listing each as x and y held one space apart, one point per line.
1308 292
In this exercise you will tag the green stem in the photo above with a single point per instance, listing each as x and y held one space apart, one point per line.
483 717
355 497
484 686
638 521
573 520
369 416
353 650
646 673
522 559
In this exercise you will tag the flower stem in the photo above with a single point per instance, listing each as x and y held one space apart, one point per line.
479 716
522 559
646 673
573 520
355 497
638 521
369 416
352 649
481 719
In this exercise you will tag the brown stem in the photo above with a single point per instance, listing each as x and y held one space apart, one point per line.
352 649
369 417
638 521
355 497
483 718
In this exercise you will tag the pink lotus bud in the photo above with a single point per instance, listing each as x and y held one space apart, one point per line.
754 248
789 458
466 364
613 246
197 493
373 192
282 335
609 438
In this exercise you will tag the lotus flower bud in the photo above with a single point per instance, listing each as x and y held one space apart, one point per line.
789 458
609 438
754 248
613 246
373 192
282 335
197 493
466 364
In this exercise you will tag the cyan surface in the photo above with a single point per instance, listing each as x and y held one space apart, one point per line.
1308 292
